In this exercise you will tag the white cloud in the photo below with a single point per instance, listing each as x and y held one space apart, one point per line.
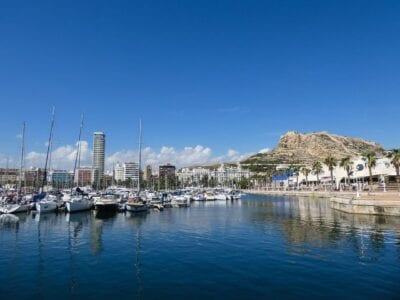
186 156
232 153
4 159
120 156
63 157
231 156
265 150
35 159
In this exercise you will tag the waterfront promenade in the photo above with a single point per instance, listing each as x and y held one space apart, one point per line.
380 196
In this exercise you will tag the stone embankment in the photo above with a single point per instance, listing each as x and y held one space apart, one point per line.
317 194
387 204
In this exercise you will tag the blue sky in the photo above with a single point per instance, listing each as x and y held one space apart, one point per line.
224 75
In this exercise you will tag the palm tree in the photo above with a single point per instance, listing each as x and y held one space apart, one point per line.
317 169
347 164
306 171
296 169
394 155
331 163
370 158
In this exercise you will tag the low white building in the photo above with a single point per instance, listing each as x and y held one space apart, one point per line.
359 173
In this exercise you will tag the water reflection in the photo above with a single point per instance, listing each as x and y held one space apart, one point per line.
9 222
311 222
254 245
138 220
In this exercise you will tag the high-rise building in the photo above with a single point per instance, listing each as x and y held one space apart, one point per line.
99 147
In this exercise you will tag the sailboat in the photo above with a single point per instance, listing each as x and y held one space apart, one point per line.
20 205
50 202
79 201
135 202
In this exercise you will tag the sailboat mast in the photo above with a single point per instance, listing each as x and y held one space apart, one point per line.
140 153
22 159
48 148
77 157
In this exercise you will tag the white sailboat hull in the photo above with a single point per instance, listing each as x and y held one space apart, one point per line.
136 207
14 208
46 206
78 205
209 198
220 197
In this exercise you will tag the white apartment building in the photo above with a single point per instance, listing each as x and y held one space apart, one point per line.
222 174
131 170
126 170
119 172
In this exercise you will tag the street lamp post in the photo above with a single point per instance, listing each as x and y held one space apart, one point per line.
358 191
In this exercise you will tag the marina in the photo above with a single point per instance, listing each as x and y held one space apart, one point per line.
199 150
255 247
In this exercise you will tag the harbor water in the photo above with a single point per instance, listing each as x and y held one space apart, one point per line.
255 248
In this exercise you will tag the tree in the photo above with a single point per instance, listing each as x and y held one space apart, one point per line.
347 164
204 181
331 163
128 183
317 169
370 158
394 155
306 171
244 183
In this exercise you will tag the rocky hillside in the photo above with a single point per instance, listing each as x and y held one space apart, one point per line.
298 148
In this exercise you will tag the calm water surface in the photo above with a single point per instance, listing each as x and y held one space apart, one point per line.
259 247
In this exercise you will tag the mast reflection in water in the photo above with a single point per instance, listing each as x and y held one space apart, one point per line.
254 248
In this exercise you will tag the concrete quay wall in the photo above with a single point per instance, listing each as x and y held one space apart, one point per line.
369 207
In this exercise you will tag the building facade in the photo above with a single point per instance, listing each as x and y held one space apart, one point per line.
99 148
125 171
83 176
223 175
359 175
119 172
60 178
8 176
167 170
147 174
131 171
34 177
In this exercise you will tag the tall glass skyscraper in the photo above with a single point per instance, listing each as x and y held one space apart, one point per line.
99 148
